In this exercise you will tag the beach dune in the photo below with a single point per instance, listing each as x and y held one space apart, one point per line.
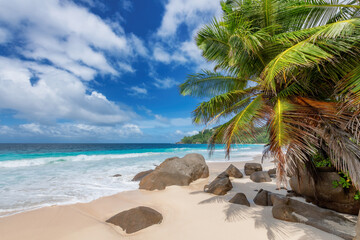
188 213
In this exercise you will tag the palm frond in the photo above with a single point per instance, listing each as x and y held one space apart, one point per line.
241 123
222 105
302 54
209 84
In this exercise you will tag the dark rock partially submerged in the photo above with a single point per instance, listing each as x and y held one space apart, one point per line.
326 220
240 198
176 171
135 219
220 185
234 172
323 192
260 177
117 175
252 167
141 175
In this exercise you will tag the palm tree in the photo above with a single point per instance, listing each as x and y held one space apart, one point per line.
292 65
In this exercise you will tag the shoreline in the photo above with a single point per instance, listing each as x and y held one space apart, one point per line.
15 211
188 213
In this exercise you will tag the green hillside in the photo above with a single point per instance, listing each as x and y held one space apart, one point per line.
203 137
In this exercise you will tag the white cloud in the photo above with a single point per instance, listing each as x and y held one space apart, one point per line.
135 90
73 131
56 95
189 133
161 55
165 83
188 12
64 45
164 122
126 67
6 130
192 133
69 36
32 127
191 14
138 45
59 19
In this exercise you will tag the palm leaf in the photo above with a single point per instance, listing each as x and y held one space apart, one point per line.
209 84
244 120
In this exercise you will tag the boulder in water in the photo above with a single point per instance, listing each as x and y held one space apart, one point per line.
141 175
176 171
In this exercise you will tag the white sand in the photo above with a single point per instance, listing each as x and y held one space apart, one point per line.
188 213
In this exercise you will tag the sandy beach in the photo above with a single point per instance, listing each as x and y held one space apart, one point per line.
188 213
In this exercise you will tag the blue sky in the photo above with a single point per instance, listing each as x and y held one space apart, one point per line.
99 71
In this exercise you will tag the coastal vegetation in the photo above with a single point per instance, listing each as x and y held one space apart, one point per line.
292 66
204 137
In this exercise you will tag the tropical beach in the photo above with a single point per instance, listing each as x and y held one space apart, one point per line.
73 173
180 119
188 213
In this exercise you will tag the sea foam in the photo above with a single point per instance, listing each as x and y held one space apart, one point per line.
76 158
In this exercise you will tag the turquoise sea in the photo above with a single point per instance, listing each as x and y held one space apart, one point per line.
37 175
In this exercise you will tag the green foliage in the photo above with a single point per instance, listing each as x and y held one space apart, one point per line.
320 161
345 182
357 195
289 65
204 137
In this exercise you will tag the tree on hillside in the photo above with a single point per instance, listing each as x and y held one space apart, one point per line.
292 65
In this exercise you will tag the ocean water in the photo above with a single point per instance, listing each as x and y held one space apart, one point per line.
37 175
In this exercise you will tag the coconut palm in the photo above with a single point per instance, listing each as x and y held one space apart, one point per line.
290 65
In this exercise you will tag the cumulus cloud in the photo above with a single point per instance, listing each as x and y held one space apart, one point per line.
56 94
67 35
188 12
62 46
192 15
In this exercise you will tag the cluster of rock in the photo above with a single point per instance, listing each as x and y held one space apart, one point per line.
173 171
222 184
183 171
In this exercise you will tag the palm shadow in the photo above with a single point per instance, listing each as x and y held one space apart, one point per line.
262 215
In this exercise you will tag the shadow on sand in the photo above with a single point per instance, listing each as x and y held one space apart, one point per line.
262 215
